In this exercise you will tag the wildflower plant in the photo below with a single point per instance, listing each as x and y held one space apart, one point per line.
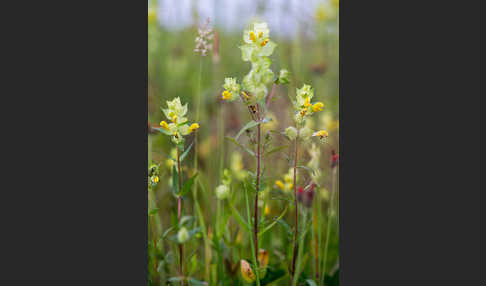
254 93
177 128
304 108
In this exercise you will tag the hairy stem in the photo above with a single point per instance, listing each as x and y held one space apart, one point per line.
296 208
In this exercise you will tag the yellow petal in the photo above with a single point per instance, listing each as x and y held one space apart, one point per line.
317 106
246 271
279 184
164 125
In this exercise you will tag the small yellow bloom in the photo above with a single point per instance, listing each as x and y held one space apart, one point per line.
226 95
263 257
321 133
260 34
266 211
317 106
193 127
264 42
288 178
307 102
164 125
155 179
245 95
252 36
280 184
247 272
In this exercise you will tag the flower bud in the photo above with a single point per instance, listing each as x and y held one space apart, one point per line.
305 133
222 192
263 257
183 235
247 272
334 159
283 78
291 132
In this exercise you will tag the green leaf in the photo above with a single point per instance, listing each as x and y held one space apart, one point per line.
193 281
164 235
268 227
175 180
186 152
310 170
311 282
249 125
185 219
241 146
176 279
276 149
187 185
238 217
162 130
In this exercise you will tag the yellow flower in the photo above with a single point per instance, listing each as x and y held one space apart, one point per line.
321 133
264 42
245 95
307 102
155 179
193 127
280 184
252 36
226 95
246 271
266 211
260 34
263 257
317 106
164 125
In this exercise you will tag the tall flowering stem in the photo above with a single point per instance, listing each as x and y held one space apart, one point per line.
257 188
303 109
294 257
179 208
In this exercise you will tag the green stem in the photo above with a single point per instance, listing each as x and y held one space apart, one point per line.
328 226
296 210
251 241
179 210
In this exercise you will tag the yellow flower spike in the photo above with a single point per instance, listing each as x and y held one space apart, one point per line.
193 127
321 133
263 257
252 36
226 95
164 125
317 106
246 271
264 42
280 184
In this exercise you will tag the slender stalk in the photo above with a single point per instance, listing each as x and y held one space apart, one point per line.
300 251
294 256
328 227
253 252
255 217
179 209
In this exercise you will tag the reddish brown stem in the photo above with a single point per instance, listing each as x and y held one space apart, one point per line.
257 189
296 210
269 98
